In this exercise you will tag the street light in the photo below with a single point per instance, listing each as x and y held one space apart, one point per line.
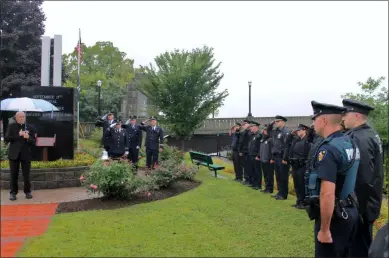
249 115
99 83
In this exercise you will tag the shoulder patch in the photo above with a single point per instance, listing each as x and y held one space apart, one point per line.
321 155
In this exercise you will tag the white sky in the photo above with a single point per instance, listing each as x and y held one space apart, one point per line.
293 52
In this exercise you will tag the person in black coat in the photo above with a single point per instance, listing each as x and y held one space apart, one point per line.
105 122
19 153
154 142
134 136
118 139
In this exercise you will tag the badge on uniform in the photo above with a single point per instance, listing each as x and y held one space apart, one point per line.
279 136
253 138
321 155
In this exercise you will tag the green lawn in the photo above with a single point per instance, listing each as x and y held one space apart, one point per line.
219 218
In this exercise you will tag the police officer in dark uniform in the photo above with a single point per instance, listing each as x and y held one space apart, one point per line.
279 136
105 122
235 133
154 141
118 139
297 158
331 200
134 135
265 156
253 151
243 147
370 179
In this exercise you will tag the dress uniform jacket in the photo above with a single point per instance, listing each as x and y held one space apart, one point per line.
118 140
154 136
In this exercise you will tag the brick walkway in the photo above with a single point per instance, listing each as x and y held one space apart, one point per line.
21 221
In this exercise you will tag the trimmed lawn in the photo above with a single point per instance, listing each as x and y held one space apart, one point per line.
219 218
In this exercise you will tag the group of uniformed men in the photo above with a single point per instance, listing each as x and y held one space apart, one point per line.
337 169
125 140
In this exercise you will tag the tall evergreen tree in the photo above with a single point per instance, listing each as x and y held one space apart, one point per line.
20 55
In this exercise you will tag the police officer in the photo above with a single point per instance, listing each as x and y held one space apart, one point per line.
265 156
243 147
253 151
279 133
134 135
369 185
297 158
105 122
154 142
235 133
118 139
331 200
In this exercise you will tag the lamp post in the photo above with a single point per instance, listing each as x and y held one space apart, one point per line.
249 116
99 92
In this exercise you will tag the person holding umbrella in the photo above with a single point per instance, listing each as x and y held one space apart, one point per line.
19 153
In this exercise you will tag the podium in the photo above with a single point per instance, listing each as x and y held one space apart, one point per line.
45 142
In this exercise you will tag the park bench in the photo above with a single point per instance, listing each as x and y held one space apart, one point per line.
201 159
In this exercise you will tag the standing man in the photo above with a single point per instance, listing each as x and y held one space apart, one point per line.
370 179
297 158
106 122
118 139
254 145
279 136
235 133
265 156
19 153
154 142
243 147
331 199
134 136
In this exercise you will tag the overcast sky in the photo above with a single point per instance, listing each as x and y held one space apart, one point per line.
293 52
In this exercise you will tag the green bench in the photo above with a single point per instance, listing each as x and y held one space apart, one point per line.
201 159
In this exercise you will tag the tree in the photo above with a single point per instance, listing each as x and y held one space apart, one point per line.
104 62
183 88
374 94
20 53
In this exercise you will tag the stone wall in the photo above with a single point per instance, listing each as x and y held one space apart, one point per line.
47 178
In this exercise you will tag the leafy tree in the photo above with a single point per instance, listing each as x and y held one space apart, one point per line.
183 88
20 53
376 95
104 62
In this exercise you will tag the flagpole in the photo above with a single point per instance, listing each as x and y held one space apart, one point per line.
78 91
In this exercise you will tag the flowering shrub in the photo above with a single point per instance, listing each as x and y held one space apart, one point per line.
172 153
113 179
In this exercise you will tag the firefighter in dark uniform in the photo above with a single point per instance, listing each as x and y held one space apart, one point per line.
279 136
105 122
118 139
235 133
370 179
254 146
331 200
297 158
134 135
265 156
154 141
243 148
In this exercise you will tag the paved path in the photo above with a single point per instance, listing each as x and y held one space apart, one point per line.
21 221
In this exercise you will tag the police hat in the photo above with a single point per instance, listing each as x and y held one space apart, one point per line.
118 122
110 114
253 123
153 118
357 106
133 117
302 127
237 123
325 109
280 118
246 121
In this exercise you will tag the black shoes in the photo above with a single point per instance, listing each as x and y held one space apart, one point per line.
28 196
280 198
12 197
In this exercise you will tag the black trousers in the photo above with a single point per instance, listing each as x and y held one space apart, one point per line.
256 172
268 173
133 156
343 234
363 239
115 155
246 163
14 168
282 177
237 166
151 158
298 174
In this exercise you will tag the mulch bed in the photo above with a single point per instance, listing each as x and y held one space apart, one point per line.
104 203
